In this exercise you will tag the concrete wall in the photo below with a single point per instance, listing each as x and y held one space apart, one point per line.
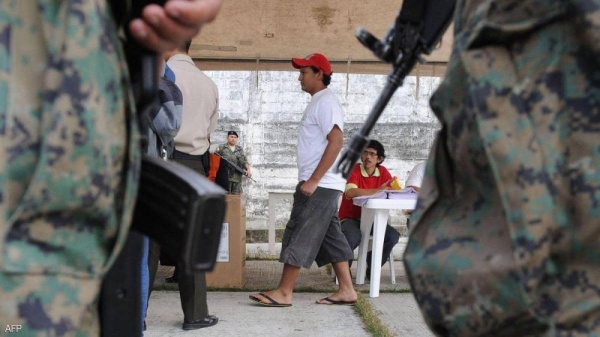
265 108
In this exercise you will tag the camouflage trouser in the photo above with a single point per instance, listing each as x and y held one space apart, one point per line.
235 187
506 234
49 305
65 200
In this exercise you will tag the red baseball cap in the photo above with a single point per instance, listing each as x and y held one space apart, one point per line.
316 60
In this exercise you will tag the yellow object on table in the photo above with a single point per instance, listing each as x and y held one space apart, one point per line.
395 184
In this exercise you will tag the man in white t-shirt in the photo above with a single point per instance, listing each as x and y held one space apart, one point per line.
414 180
415 176
313 233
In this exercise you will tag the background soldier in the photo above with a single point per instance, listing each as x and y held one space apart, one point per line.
234 154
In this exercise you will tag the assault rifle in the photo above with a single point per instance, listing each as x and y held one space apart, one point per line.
176 206
234 166
419 26
172 198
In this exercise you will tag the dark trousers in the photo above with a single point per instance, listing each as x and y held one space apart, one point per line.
351 229
192 287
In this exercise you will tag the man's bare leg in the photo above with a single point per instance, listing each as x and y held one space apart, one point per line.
285 289
345 291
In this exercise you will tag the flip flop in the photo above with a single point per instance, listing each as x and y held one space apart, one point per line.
271 303
329 301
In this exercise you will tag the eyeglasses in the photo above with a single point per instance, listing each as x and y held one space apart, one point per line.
369 154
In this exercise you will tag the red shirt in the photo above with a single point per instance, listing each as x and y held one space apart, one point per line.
360 179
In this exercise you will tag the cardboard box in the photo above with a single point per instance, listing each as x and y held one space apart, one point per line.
230 268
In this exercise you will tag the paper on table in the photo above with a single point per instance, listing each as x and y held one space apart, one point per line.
360 201
405 193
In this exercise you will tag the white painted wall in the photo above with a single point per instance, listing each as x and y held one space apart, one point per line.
265 108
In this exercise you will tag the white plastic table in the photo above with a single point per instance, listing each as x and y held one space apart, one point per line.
376 212
274 198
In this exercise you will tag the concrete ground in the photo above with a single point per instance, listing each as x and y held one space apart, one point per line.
238 316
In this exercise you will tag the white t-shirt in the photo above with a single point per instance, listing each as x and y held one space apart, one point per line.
415 177
320 116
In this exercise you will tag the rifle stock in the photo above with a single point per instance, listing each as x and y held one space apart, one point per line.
182 210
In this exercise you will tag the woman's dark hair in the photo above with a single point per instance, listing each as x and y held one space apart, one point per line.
326 78
377 146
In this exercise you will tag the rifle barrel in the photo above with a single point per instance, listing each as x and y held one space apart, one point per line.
236 167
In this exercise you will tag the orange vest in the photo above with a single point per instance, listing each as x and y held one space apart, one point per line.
215 161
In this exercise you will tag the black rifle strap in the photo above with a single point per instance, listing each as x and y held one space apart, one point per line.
119 302
120 306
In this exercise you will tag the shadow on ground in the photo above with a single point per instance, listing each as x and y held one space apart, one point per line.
265 274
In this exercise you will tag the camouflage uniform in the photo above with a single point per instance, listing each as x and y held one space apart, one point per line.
69 162
237 157
507 234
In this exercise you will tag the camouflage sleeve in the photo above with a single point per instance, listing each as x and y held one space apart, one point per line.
506 233
70 161
243 158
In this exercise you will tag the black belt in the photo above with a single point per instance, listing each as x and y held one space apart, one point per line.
187 156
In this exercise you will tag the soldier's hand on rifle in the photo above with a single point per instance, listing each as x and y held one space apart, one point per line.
247 172
164 28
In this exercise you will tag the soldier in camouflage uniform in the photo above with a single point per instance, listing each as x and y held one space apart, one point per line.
507 233
70 154
234 153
